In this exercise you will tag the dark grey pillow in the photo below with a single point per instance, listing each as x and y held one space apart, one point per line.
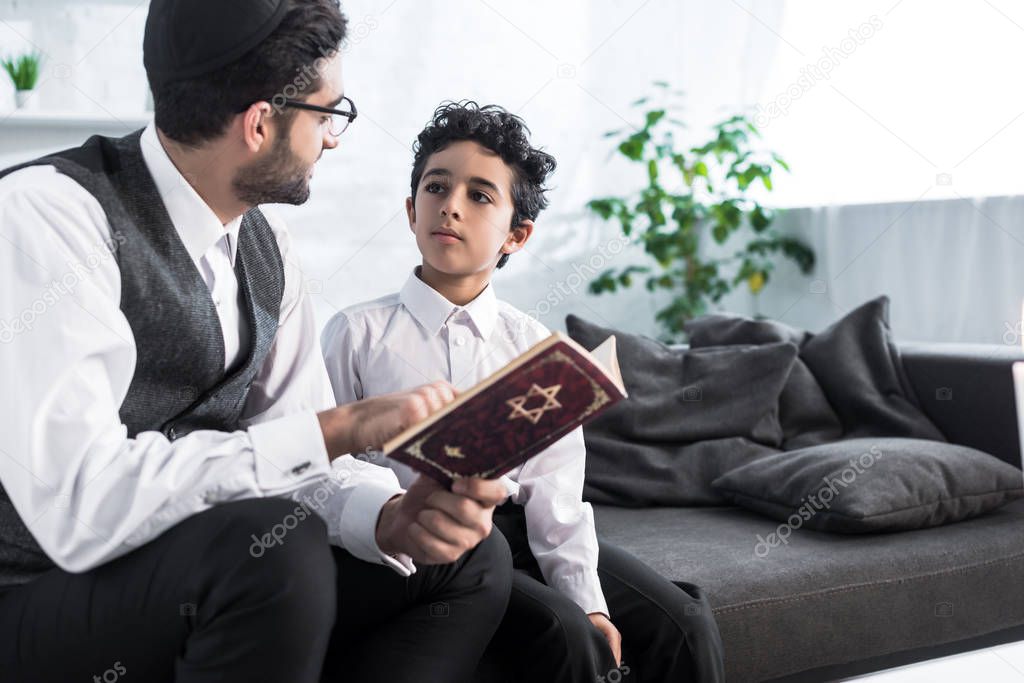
690 416
858 366
873 484
682 396
806 416
848 381
720 329
633 474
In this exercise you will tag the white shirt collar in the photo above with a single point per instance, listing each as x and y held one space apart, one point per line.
432 310
196 223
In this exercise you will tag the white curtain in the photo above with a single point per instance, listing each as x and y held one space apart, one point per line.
952 268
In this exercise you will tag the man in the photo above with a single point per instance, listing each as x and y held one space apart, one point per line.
169 509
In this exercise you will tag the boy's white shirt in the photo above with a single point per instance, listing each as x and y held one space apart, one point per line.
417 336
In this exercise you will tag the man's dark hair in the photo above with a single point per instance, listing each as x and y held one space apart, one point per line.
504 134
196 110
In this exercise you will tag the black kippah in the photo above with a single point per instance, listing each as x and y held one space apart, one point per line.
191 38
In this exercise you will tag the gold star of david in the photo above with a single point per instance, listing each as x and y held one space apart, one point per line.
534 414
453 452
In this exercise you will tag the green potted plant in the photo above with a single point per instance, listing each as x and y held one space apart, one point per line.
24 73
691 194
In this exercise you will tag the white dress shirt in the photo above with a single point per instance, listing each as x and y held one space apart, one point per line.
87 492
417 336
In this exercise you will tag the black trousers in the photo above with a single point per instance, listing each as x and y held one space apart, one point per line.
668 631
203 603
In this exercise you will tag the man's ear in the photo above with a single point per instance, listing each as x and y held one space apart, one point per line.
517 237
256 127
410 210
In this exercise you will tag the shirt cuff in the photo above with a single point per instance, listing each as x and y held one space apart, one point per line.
358 528
512 487
585 590
288 451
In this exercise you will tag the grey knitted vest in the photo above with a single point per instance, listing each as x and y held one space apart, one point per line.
179 384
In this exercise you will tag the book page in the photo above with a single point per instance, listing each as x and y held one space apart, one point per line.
606 355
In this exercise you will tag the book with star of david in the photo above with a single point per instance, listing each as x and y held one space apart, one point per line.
515 413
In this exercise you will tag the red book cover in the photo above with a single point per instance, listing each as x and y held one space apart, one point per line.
515 413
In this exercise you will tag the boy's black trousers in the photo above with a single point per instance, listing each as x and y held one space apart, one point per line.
202 603
668 632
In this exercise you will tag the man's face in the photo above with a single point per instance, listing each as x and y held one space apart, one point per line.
463 209
281 173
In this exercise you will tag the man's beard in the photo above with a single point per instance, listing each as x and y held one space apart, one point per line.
280 178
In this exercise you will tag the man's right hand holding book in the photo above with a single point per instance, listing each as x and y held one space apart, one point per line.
428 523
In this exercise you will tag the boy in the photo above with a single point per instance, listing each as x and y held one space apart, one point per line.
477 187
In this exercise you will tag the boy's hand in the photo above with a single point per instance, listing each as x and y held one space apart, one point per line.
435 526
357 427
610 633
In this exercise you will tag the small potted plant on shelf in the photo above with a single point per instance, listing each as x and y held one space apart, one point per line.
24 73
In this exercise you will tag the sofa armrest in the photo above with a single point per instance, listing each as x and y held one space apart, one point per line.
967 391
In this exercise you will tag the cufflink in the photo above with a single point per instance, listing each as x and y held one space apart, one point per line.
299 469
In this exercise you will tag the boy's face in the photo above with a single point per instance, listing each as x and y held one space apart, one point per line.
462 215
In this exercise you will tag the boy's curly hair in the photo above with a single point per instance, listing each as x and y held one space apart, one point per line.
504 134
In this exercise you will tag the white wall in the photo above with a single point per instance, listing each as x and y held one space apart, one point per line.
571 69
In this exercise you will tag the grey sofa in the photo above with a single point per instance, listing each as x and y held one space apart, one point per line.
827 606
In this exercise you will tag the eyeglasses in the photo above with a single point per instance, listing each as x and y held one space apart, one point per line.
340 118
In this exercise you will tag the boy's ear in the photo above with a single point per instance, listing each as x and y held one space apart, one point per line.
517 237
410 210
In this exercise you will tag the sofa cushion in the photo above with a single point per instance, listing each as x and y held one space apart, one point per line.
856 365
865 485
690 416
852 597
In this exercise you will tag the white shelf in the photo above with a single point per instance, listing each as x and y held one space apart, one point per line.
20 118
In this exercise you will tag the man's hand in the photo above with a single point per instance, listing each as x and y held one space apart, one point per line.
435 526
360 426
610 633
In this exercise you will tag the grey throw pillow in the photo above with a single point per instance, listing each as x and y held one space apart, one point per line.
679 395
806 416
873 484
690 415
858 366
634 474
848 381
